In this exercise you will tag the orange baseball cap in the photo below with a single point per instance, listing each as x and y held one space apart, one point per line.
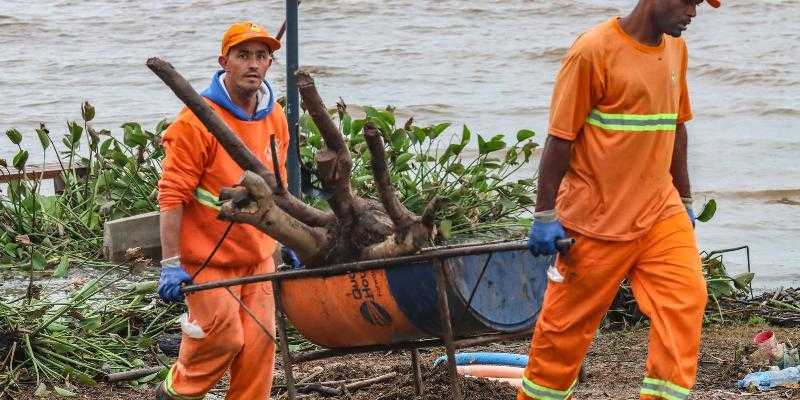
243 31
713 3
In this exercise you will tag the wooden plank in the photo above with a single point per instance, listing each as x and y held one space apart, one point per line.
39 171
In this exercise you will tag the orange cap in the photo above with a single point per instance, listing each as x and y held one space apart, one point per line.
244 31
713 3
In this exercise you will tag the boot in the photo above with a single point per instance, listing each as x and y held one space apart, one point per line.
161 393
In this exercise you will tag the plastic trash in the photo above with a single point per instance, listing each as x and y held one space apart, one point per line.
770 379
554 275
190 328
487 358
768 346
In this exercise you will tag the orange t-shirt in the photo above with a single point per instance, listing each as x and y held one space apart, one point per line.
196 167
619 101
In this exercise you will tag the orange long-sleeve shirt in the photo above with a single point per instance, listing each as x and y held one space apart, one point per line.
196 167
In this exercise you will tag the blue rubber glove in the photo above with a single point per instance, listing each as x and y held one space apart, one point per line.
687 202
172 277
290 258
544 232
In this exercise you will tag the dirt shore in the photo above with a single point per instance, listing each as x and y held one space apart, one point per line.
614 369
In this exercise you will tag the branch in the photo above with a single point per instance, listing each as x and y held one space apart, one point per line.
406 243
231 143
334 163
335 179
396 210
316 109
252 202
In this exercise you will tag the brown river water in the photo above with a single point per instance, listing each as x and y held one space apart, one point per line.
488 64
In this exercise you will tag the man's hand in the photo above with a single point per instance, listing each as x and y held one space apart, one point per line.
544 232
172 277
290 258
687 202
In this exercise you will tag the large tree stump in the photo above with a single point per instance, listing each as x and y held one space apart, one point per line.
356 229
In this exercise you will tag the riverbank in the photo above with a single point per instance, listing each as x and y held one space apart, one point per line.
614 369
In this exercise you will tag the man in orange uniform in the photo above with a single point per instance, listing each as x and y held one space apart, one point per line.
195 169
613 174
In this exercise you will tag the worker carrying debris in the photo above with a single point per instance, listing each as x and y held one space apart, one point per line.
613 175
234 329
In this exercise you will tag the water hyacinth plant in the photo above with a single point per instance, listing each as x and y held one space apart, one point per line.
104 178
479 197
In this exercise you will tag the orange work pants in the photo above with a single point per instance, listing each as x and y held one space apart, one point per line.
663 268
233 338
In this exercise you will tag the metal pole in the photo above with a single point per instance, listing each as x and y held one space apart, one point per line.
283 343
447 328
357 266
292 97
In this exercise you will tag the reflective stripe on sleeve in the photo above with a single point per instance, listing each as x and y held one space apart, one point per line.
207 198
642 123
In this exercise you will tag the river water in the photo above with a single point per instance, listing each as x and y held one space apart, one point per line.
489 65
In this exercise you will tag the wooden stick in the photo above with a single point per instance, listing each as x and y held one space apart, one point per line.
396 210
232 144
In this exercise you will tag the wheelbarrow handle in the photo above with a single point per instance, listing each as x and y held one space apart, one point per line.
563 245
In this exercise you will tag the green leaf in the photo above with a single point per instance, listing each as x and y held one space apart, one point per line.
62 268
465 136
133 135
743 280
720 288
106 146
495 144
402 160
424 158
161 126
437 130
525 134
527 149
457 168
61 392
418 134
145 287
14 136
452 150
80 377
384 127
481 144
75 133
446 228
20 159
357 125
38 261
387 117
347 123
56 327
44 139
709 209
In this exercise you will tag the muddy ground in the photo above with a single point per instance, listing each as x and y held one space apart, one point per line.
614 367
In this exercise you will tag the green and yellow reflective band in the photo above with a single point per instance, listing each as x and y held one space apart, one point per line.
633 122
538 392
171 391
206 198
663 389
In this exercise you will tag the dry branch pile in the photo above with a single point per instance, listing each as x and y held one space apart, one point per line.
357 228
